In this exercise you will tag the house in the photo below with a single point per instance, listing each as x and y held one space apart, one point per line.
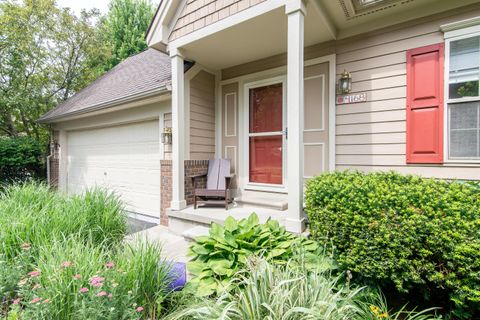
263 91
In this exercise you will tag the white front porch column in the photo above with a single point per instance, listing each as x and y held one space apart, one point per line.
178 130
295 10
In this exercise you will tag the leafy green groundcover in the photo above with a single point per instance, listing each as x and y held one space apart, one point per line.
217 257
419 234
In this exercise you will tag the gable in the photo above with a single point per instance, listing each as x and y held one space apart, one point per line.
197 14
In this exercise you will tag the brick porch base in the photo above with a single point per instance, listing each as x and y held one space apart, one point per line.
192 167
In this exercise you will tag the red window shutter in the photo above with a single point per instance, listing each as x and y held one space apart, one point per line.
425 104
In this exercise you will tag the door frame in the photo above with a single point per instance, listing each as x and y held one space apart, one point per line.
245 135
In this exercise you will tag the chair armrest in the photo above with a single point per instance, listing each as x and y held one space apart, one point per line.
196 177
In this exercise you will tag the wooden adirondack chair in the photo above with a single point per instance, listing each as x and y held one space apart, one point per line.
218 184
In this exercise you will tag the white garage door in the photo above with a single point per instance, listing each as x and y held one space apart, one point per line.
123 158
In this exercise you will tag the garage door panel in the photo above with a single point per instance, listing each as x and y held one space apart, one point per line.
125 159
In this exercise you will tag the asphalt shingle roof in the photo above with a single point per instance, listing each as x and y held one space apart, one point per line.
136 75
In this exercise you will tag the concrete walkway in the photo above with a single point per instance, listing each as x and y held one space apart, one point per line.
174 246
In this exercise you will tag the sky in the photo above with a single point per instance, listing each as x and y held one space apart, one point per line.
78 5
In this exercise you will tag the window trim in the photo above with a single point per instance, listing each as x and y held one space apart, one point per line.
450 36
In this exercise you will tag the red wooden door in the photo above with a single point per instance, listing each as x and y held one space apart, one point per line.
266 134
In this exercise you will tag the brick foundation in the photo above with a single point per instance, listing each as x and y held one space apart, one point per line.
192 168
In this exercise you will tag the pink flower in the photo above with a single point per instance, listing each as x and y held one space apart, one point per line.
46 301
139 309
97 281
36 300
16 301
25 246
34 274
101 294
66 264
110 265
110 296
77 276
84 290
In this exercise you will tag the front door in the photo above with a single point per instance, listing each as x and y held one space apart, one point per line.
266 128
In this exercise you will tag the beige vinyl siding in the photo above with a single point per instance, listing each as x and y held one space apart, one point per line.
372 135
202 116
197 14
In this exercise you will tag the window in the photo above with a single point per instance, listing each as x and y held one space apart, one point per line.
463 97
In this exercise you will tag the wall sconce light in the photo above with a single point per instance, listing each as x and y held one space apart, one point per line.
167 135
345 83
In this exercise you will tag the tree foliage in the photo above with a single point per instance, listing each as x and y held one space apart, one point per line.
124 28
20 159
46 55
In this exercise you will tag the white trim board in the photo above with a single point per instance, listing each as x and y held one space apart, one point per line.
244 136
281 72
454 35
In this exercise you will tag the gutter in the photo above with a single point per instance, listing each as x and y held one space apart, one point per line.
104 105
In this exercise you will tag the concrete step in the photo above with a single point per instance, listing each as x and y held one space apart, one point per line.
263 201
195 232
188 218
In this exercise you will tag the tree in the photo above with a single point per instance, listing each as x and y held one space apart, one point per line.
46 55
124 28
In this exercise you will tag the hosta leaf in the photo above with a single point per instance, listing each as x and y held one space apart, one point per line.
200 249
206 287
275 253
220 267
222 246
273 224
230 224
252 220
216 231
204 240
196 267
285 244
231 240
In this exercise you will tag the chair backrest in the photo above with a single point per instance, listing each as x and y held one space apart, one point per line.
218 169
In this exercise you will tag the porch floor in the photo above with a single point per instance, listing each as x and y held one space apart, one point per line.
207 215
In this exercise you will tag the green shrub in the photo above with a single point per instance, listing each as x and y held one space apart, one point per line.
293 292
409 231
217 257
21 158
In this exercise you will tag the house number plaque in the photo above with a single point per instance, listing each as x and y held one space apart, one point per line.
352 98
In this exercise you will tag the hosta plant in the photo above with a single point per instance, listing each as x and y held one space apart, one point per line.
217 257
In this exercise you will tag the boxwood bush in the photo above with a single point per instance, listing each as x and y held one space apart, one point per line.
418 234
